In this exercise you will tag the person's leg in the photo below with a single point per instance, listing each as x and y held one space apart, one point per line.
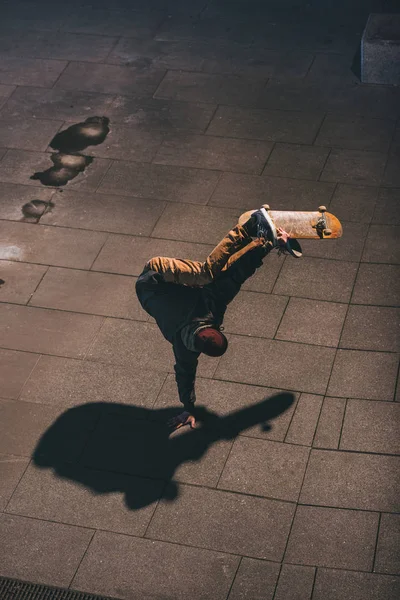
195 273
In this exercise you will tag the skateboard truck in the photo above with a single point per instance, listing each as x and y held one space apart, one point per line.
321 225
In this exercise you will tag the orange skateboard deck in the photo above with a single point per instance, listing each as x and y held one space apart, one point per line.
312 225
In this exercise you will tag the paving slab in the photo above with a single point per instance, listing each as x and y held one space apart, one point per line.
382 244
354 202
68 382
209 88
66 498
339 585
377 284
15 368
265 278
317 278
351 480
269 125
371 427
387 556
331 537
104 294
109 79
386 210
133 567
296 160
51 332
304 421
254 579
212 152
240 316
11 470
362 374
354 166
5 92
20 281
30 71
40 551
295 583
265 468
372 328
303 318
330 66
104 212
374 135
327 434
259 361
157 54
260 533
171 183
28 134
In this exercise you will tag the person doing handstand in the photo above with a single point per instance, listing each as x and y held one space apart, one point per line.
188 299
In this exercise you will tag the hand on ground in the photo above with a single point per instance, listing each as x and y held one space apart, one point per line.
181 420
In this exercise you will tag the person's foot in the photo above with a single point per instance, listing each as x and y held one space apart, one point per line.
181 420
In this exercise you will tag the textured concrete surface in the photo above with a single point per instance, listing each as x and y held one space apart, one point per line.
289 490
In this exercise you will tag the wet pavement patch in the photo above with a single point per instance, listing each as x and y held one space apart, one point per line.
66 167
35 209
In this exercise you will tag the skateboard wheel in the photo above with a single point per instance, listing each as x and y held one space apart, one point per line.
322 208
266 206
327 231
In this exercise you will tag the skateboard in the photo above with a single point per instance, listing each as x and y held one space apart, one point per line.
312 225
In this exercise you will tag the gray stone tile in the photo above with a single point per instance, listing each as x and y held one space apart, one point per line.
47 331
371 427
204 224
39 551
209 88
260 533
348 247
5 93
66 382
104 212
11 470
264 279
330 66
317 279
256 412
270 125
19 165
387 208
339 585
117 564
382 245
303 318
351 480
372 328
30 71
157 54
128 255
211 152
100 20
255 579
249 192
41 494
13 197
42 103
117 344
24 242
90 293
354 166
265 468
330 537
109 79
136 442
295 583
387 555
20 281
56 45
28 134
240 315
295 160
353 202
377 284
15 368
359 374
305 419
330 423
175 184
356 133
162 115
299 94
392 177
259 362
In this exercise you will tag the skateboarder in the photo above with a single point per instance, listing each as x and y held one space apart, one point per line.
188 299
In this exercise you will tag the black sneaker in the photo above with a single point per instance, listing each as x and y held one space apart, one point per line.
264 227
